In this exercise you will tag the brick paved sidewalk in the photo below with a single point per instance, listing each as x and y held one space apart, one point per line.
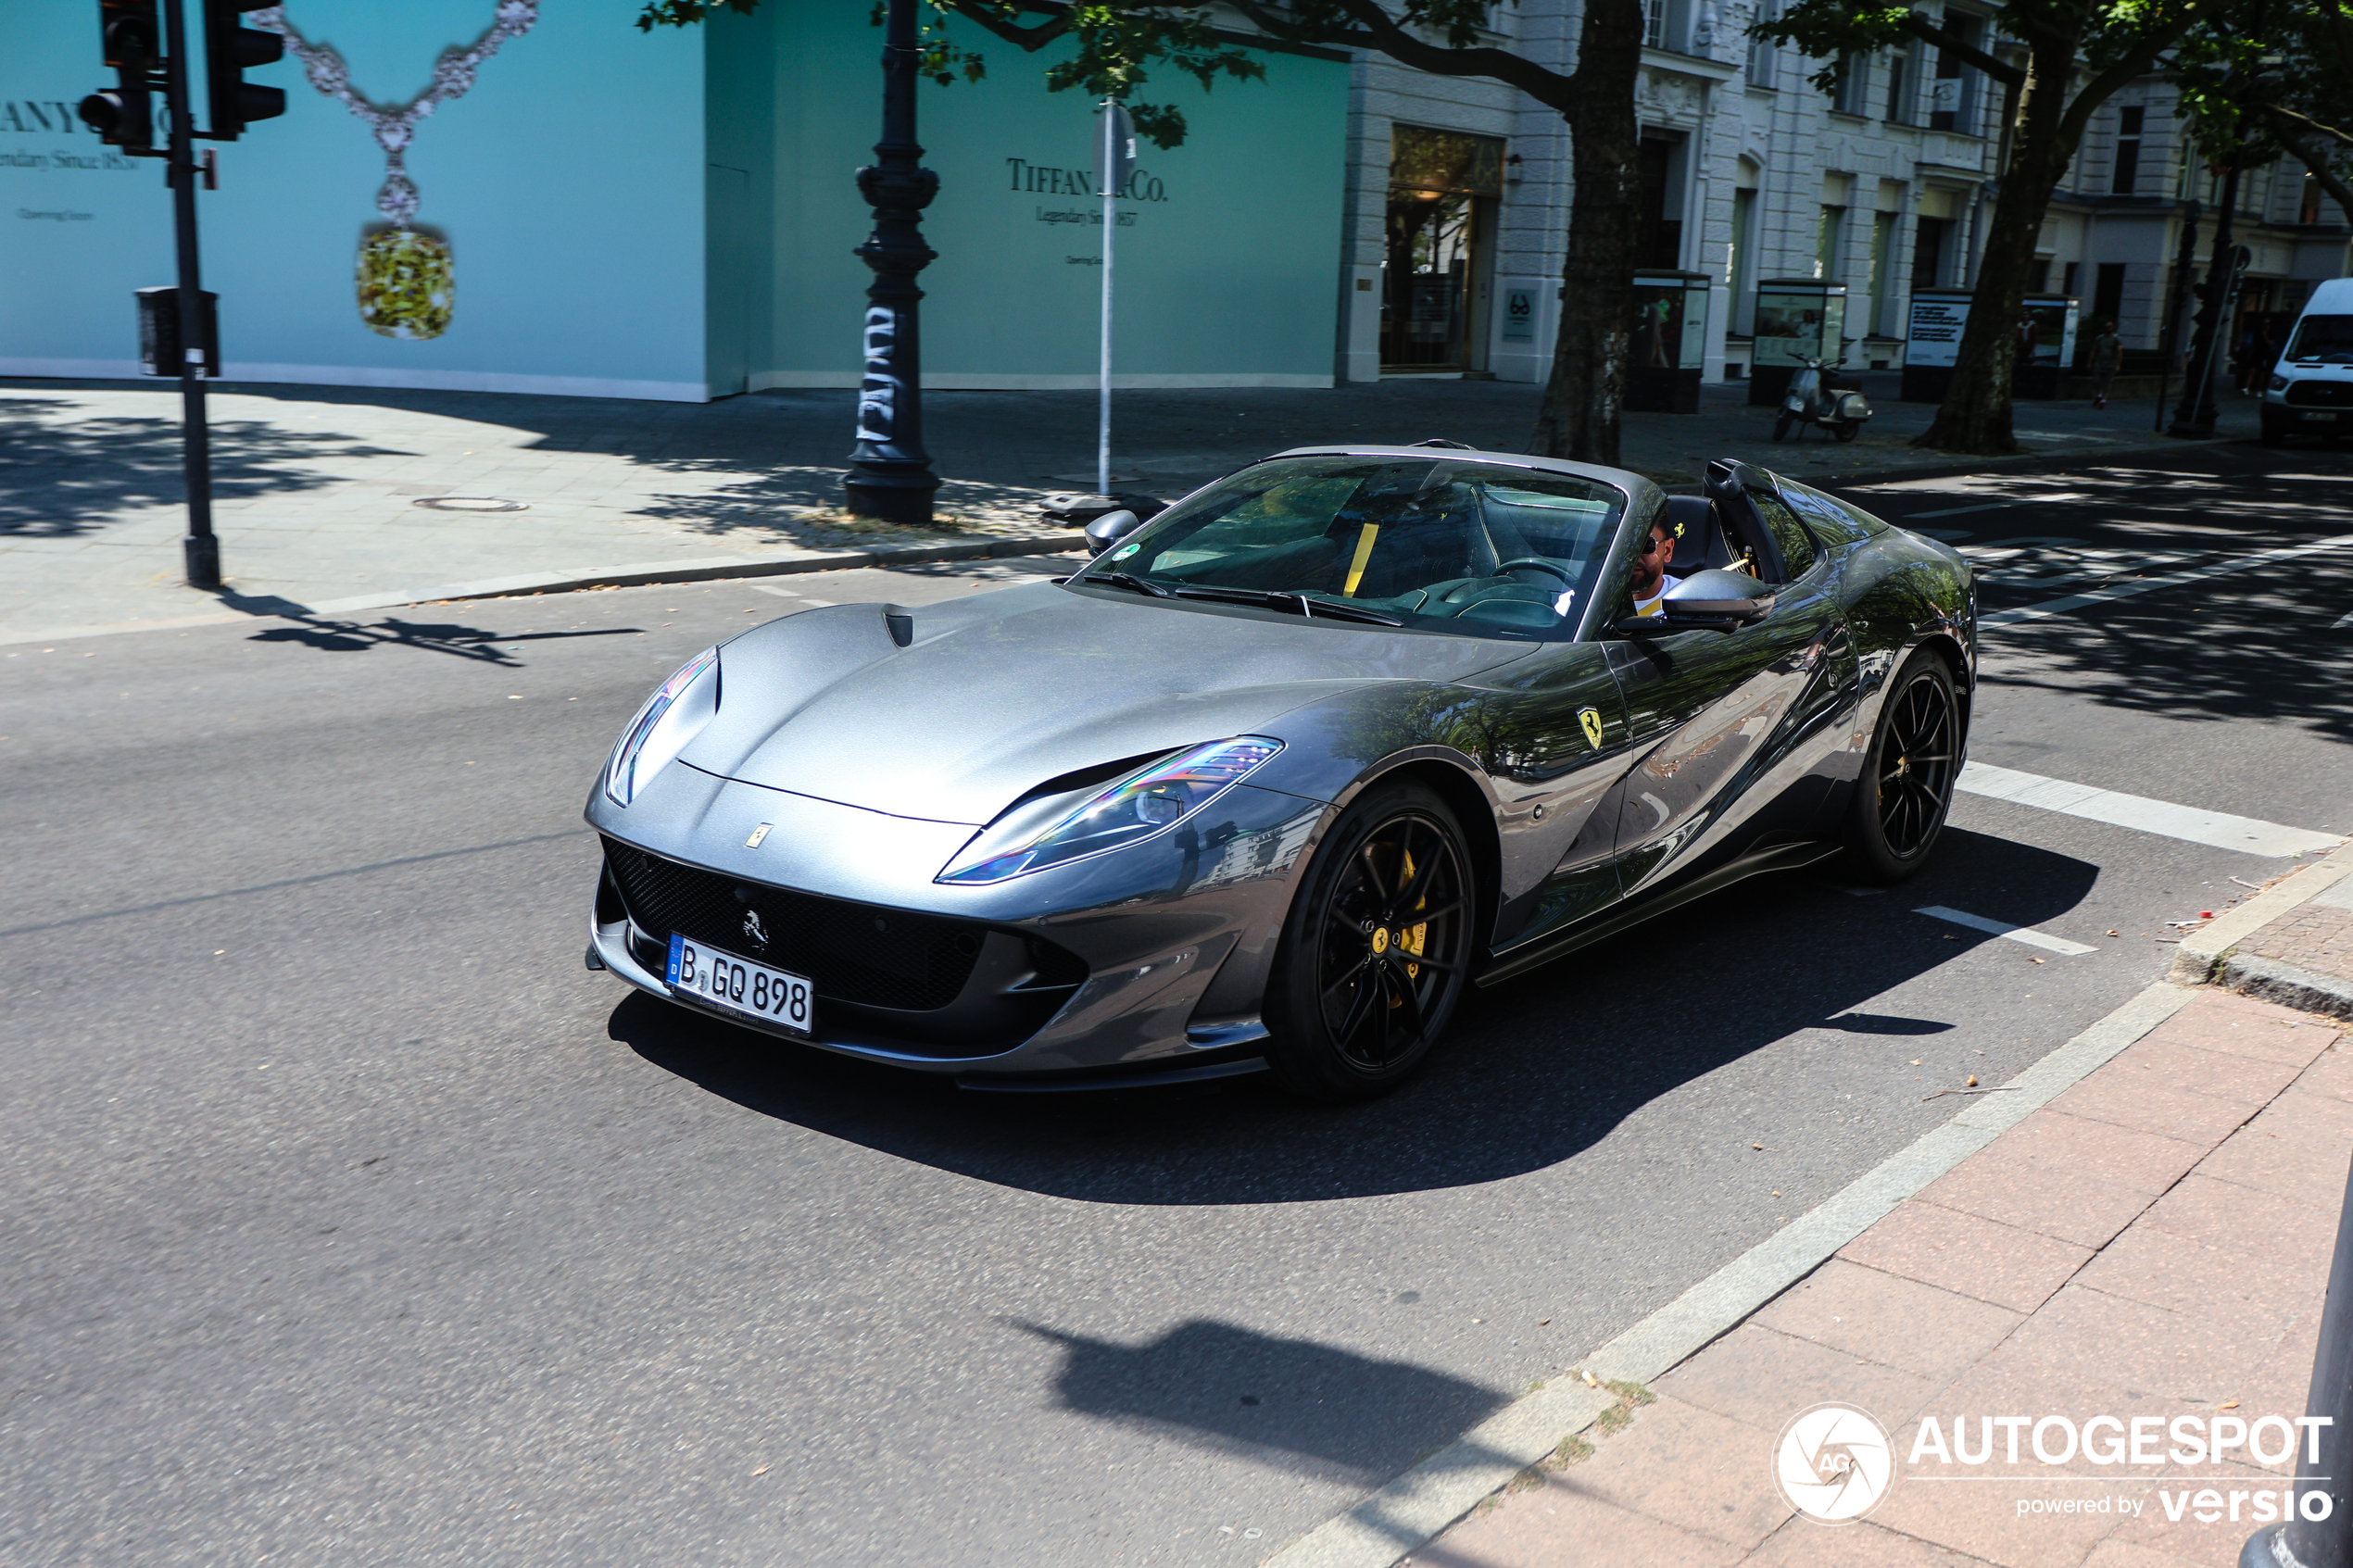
2154 1242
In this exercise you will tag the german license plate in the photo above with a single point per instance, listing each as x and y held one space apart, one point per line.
738 984
2327 415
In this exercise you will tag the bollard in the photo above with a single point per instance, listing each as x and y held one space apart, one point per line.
2326 1542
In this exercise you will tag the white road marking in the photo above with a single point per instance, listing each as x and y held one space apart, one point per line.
2025 933
2150 585
2219 829
780 593
2342 620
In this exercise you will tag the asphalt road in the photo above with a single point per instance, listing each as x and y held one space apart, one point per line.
348 1221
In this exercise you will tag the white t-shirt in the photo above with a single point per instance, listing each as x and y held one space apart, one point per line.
1652 606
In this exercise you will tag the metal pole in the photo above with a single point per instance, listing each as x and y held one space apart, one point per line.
2170 343
200 551
1108 163
890 475
2195 416
2324 1440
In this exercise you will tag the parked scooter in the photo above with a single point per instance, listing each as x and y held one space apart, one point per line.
1811 401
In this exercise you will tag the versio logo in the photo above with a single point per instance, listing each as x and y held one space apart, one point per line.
1833 1463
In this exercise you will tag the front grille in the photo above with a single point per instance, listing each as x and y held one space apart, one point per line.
2321 393
853 953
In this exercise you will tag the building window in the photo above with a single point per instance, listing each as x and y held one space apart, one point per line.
1659 242
1953 90
1898 74
1853 78
1928 252
1744 258
1763 52
1827 240
2067 286
2309 209
1443 190
2128 150
1883 273
1654 24
2107 291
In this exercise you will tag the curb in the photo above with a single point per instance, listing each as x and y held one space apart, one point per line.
1417 1506
702 569
2270 980
2204 950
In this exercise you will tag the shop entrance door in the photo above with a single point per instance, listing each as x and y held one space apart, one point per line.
1442 188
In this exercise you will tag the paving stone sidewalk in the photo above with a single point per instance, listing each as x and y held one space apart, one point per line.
2154 1242
324 495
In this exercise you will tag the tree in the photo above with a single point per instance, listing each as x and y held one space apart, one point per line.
1118 41
2060 60
2282 86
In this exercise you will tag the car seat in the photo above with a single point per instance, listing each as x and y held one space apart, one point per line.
1699 536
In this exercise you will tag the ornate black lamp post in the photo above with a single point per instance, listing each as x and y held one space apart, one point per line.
890 475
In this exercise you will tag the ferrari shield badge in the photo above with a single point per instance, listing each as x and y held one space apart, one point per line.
1591 719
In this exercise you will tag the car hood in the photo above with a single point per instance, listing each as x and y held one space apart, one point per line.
994 695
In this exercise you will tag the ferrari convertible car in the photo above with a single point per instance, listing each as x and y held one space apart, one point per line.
1284 769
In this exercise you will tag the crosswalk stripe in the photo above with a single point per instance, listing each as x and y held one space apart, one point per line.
2171 579
2025 933
2219 829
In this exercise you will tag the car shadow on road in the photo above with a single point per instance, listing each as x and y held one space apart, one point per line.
1535 1072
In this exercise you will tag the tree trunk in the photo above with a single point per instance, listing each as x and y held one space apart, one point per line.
1587 391
1975 415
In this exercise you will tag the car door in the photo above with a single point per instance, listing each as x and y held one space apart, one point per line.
1729 729
1552 732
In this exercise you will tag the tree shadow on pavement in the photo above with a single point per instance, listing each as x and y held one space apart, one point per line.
1534 1073
464 642
1311 1407
62 477
2239 648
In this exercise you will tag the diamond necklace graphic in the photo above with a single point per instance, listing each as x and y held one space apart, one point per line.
407 278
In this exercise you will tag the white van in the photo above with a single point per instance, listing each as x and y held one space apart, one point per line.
2310 389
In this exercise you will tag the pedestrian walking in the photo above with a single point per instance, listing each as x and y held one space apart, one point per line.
2107 357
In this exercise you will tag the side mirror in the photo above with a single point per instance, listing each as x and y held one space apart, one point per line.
1110 528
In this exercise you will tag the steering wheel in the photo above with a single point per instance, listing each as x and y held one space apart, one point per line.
1569 578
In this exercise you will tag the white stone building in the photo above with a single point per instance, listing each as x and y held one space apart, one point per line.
1459 197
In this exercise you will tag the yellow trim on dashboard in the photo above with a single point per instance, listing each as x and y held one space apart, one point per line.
1364 554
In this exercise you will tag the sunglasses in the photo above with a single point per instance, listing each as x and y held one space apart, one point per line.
1651 546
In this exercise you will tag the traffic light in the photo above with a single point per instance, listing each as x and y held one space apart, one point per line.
230 50
125 118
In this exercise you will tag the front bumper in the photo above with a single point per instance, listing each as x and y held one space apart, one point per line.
1147 960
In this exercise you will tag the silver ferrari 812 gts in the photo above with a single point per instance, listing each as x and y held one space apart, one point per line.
1284 769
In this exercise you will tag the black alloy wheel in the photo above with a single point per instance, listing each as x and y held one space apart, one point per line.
1906 785
1375 950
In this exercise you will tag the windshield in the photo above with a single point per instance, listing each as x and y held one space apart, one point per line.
1432 543
2323 337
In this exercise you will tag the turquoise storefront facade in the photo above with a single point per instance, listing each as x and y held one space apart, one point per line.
672 214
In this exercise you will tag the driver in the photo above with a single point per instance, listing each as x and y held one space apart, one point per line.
1650 569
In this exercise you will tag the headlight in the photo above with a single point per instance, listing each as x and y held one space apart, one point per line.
1153 801
2279 384
670 719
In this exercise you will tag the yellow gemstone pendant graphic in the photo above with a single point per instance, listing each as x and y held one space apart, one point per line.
1589 719
406 279
408 285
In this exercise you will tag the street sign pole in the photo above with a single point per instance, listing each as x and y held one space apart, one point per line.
200 548
1115 161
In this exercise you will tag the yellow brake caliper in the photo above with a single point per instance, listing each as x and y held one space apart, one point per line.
1412 941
